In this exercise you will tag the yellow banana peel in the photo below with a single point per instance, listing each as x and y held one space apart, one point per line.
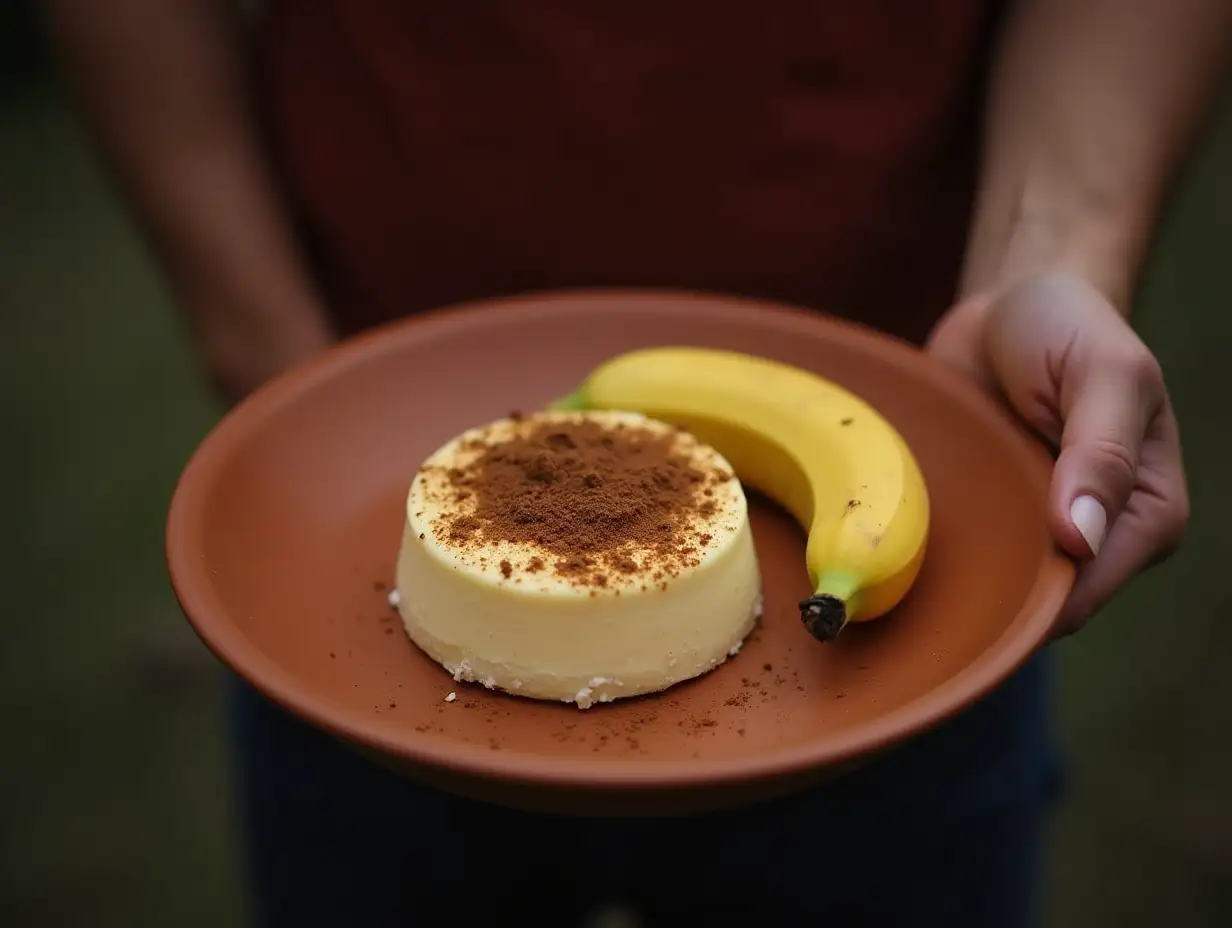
825 455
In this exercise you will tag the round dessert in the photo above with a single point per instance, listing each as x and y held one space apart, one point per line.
577 556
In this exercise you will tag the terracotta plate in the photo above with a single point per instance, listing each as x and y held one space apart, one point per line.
285 526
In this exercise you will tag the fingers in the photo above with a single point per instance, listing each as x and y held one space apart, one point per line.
1148 530
957 340
1069 364
1127 551
1107 406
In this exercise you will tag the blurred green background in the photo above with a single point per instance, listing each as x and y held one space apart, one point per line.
113 786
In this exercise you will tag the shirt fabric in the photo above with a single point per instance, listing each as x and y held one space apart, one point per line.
821 153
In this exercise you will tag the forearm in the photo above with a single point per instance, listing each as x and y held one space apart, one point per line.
1093 107
163 88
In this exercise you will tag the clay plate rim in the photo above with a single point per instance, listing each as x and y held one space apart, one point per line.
190 575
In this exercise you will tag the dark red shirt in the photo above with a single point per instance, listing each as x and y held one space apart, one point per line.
817 152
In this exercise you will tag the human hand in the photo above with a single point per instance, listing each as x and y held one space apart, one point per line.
1072 367
241 350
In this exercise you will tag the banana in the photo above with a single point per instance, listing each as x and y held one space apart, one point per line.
831 460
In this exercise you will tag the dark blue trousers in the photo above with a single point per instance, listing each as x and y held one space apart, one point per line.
946 830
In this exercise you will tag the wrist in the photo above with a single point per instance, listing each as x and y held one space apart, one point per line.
1033 240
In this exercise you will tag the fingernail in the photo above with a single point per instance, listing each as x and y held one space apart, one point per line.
1089 517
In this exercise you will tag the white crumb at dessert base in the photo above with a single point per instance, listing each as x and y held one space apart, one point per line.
540 636
451 697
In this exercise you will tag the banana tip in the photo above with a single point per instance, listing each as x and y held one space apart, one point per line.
823 615
572 402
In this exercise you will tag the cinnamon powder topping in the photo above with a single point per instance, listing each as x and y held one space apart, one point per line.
599 501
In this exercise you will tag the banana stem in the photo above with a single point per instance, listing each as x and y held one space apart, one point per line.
826 612
824 615
573 402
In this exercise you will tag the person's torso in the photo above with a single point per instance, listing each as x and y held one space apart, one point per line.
821 153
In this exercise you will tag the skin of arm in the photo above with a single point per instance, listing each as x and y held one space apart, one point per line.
1094 106
163 88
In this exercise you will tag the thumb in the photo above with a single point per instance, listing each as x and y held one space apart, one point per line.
1104 426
